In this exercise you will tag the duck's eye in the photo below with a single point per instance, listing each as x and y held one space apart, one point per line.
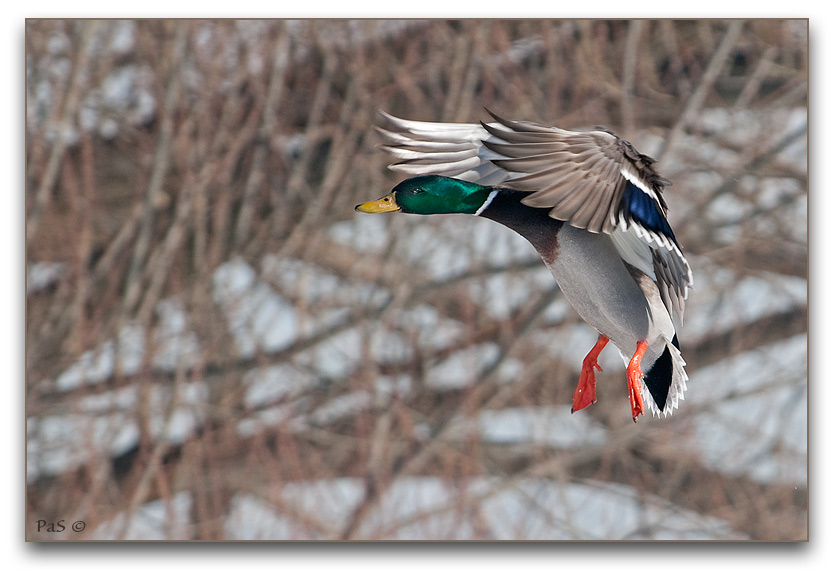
417 190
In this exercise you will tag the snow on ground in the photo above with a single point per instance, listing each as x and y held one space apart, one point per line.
173 343
428 508
554 427
154 520
762 430
41 274
721 301
106 424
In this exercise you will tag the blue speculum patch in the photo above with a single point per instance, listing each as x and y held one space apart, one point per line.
637 205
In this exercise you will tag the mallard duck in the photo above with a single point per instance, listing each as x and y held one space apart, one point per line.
591 205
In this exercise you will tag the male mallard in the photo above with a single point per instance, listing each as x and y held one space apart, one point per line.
592 207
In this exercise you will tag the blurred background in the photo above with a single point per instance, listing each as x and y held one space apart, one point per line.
218 347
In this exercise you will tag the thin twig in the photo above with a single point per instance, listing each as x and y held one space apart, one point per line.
81 71
696 101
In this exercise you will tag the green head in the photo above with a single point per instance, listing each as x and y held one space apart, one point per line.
431 194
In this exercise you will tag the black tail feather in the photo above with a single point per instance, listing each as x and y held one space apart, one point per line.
659 377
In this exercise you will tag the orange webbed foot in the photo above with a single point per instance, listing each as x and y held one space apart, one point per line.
586 392
635 384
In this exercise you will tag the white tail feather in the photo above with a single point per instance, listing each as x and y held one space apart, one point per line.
676 389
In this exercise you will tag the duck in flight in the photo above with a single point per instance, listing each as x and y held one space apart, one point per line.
591 205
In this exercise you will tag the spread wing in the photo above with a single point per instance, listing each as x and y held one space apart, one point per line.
590 179
451 149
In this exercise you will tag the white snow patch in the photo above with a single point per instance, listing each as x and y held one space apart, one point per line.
155 520
259 319
106 425
429 508
41 274
338 356
173 342
276 383
433 329
267 419
342 406
721 300
98 364
364 233
390 347
550 426
756 417
461 368
388 386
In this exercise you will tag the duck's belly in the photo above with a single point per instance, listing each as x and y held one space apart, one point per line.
597 284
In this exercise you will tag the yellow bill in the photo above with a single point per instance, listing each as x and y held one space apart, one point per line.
381 205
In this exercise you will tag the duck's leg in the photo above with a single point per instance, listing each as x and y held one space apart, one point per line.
634 383
586 392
